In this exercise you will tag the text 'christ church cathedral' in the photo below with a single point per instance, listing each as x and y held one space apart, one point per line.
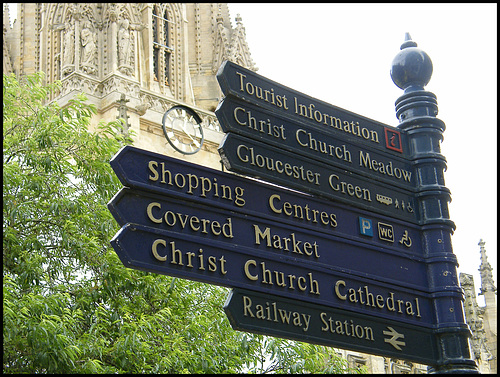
135 61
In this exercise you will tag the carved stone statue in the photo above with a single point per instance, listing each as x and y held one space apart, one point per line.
69 45
88 43
124 45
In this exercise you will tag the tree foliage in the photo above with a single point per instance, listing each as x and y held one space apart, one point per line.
69 305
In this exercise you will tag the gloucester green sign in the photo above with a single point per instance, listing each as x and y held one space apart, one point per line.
254 158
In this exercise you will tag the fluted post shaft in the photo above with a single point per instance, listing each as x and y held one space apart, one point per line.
416 110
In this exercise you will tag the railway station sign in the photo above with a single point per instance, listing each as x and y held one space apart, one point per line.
277 316
297 136
245 84
247 156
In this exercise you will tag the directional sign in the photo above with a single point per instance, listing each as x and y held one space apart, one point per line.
231 265
246 156
153 172
265 234
285 318
251 87
297 136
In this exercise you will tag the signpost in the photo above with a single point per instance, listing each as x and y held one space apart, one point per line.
236 81
231 265
147 171
272 164
297 136
271 315
263 233
369 269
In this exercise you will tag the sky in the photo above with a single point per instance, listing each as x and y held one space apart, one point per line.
342 54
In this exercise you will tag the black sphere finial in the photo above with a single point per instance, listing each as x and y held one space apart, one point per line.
411 68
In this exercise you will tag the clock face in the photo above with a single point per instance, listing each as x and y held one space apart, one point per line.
183 130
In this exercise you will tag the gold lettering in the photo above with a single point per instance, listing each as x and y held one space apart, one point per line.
211 263
348 188
301 212
222 265
154 249
152 165
176 253
150 212
301 278
247 272
190 255
285 243
261 235
194 185
337 290
260 312
380 301
215 228
325 328
247 303
409 308
271 203
363 296
279 278
171 219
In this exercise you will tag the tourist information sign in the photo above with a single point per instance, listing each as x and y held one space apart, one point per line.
247 156
277 316
297 136
245 84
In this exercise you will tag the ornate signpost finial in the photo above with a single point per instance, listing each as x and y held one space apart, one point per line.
411 68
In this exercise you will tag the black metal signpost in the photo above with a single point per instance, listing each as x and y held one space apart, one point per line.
177 209
151 172
360 258
416 110
292 319
263 233
295 135
242 83
246 156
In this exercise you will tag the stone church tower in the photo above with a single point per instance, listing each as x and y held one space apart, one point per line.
132 60
482 320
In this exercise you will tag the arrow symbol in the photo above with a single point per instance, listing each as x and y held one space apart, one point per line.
394 340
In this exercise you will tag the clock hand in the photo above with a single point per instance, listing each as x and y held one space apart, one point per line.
183 126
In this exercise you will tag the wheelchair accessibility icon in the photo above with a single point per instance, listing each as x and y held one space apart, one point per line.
405 240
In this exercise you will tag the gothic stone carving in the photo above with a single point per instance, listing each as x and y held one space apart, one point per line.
89 49
124 47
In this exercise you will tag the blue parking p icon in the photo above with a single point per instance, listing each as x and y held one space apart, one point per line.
365 227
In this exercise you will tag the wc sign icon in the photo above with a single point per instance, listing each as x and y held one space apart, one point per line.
365 227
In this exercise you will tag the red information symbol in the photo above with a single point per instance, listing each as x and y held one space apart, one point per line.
393 140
